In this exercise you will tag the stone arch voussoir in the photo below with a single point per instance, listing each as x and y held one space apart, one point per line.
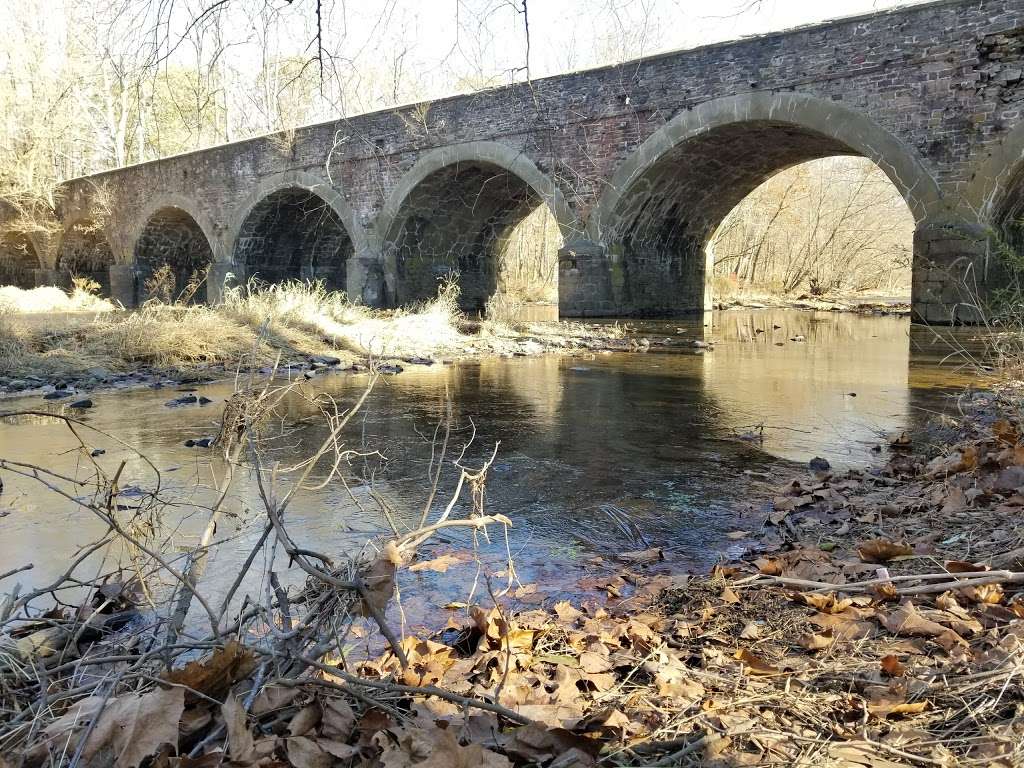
825 117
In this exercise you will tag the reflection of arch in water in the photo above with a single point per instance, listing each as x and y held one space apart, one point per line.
85 253
664 203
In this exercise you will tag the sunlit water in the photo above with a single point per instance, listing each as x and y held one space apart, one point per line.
663 438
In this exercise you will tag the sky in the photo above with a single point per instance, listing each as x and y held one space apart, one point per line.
447 46
569 34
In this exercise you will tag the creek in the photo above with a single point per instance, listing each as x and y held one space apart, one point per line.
670 440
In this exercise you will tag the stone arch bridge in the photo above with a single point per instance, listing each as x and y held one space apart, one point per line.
638 164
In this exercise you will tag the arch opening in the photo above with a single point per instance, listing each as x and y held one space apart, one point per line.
830 228
661 232
487 229
85 254
172 258
293 234
1007 213
18 261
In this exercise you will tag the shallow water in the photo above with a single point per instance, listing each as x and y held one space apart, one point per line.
663 438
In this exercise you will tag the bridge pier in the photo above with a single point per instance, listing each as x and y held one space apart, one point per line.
584 280
45 277
954 273
215 281
122 284
365 279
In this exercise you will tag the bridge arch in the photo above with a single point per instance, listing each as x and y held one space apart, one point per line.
172 232
20 257
85 251
662 206
994 195
454 212
295 225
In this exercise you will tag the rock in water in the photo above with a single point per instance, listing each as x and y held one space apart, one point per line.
57 394
82 404
819 464
183 400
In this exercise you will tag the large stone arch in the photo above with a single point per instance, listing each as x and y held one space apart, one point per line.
660 208
301 180
172 230
298 188
532 188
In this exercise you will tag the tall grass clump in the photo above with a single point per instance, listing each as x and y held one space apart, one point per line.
48 332
330 318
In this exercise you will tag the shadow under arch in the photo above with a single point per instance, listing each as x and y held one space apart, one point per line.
84 251
664 202
20 257
172 232
468 197
295 225
994 195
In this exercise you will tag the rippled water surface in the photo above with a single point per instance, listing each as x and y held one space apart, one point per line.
663 438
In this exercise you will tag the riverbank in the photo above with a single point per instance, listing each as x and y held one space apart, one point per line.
51 341
860 303
84 344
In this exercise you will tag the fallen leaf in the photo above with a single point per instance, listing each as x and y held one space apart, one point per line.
815 642
535 743
641 557
965 566
909 623
882 551
755 664
825 602
305 720
886 707
135 727
566 612
379 579
273 698
306 753
214 675
338 721
984 594
241 745
1005 432
892 666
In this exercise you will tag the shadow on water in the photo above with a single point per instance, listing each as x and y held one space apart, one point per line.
662 438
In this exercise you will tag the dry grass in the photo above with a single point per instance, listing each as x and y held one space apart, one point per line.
45 332
50 299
